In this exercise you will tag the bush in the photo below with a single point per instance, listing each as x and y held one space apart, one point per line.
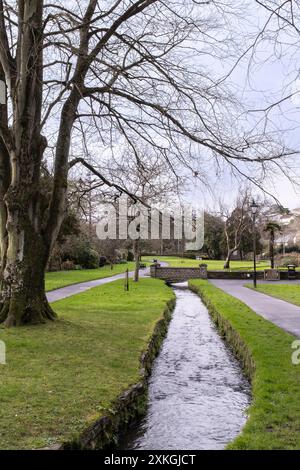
68 265
292 258
291 249
130 256
287 261
88 259
102 261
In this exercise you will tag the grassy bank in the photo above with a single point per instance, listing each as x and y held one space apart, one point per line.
265 350
288 292
62 376
58 279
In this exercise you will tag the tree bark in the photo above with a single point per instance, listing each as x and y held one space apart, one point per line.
272 241
23 298
4 184
136 250
24 251
228 259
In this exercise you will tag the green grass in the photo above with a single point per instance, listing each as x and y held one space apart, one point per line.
289 293
61 376
58 279
274 416
213 265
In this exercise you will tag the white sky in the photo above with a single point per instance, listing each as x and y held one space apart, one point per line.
262 84
267 80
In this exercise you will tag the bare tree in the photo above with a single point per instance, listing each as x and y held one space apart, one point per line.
122 70
236 223
278 36
150 179
272 228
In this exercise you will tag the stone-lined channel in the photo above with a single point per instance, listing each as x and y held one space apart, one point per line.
198 394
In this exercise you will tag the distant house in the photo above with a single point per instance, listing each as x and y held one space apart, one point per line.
290 223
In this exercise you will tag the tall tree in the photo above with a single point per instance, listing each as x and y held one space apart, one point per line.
272 228
123 70
236 223
213 237
150 179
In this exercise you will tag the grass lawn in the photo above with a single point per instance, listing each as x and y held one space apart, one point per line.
288 292
58 279
213 265
63 375
274 416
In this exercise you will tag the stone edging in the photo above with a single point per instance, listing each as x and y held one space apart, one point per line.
130 405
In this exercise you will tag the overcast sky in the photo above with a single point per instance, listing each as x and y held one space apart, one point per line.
258 82
269 76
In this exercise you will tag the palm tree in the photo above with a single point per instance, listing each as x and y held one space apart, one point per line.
272 228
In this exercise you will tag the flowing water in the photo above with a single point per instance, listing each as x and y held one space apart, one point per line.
198 394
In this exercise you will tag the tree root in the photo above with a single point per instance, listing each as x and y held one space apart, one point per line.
4 311
17 312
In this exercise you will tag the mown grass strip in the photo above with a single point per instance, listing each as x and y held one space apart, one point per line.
58 279
265 350
212 265
60 377
288 292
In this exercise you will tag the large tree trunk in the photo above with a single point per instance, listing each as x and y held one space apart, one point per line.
4 183
24 245
22 297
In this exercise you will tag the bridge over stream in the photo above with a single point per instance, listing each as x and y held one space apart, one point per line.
173 274
180 274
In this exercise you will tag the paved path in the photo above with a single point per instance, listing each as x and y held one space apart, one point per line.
74 289
283 314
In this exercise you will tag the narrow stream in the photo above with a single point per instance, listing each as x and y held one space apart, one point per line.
198 394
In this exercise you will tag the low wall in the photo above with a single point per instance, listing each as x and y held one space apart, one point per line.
246 275
234 275
178 274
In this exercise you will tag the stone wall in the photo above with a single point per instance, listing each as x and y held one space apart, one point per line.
246 275
178 274
184 274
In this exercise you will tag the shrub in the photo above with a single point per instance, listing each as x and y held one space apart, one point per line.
102 261
292 258
130 256
289 261
68 265
190 255
88 259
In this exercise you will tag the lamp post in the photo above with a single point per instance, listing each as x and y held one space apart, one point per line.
254 208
